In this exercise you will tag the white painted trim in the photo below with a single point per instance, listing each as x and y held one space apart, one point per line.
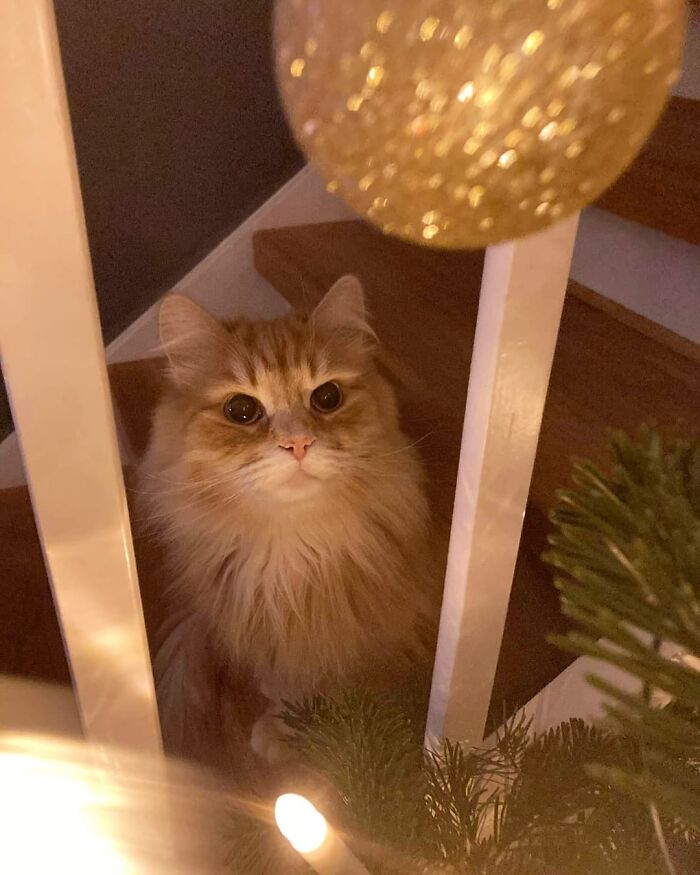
642 269
30 706
225 281
571 696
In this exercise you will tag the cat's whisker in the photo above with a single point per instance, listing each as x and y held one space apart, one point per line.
151 476
179 489
188 483
181 492
134 491
398 478
407 447
194 498
151 519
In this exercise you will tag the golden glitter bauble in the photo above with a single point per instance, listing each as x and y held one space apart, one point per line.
460 124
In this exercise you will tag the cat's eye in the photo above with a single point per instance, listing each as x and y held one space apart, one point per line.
243 409
326 397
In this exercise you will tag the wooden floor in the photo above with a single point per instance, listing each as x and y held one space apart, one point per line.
611 369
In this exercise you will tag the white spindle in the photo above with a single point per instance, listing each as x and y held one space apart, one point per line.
54 366
519 313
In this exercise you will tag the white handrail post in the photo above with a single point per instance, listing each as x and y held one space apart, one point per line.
54 365
522 295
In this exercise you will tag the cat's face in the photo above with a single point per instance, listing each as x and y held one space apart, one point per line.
281 410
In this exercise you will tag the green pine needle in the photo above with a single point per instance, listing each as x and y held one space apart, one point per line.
627 549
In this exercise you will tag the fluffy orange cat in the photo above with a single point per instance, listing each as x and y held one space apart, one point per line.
290 506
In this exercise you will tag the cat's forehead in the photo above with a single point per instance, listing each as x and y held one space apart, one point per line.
280 346
279 361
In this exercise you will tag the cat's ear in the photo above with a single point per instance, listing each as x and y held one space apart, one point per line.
189 337
343 308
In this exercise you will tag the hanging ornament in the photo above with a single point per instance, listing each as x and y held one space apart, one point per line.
460 124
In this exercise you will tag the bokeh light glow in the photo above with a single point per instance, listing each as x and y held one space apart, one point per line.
464 123
72 808
300 823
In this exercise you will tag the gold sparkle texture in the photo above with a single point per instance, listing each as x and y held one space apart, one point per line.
441 122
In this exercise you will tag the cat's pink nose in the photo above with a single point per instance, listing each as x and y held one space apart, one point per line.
297 446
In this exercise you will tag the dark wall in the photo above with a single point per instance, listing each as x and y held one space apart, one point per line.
178 131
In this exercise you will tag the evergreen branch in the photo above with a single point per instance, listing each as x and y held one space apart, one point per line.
627 549
578 798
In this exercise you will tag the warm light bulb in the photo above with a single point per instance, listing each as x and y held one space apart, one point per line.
300 823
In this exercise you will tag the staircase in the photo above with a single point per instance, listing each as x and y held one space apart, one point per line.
612 368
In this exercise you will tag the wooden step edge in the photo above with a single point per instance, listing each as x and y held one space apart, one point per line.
640 324
264 251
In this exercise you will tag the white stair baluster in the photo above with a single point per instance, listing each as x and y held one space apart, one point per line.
520 307
54 365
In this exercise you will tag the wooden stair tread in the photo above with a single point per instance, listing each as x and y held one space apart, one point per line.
136 387
30 636
661 189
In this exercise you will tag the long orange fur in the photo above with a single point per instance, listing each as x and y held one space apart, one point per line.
303 586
